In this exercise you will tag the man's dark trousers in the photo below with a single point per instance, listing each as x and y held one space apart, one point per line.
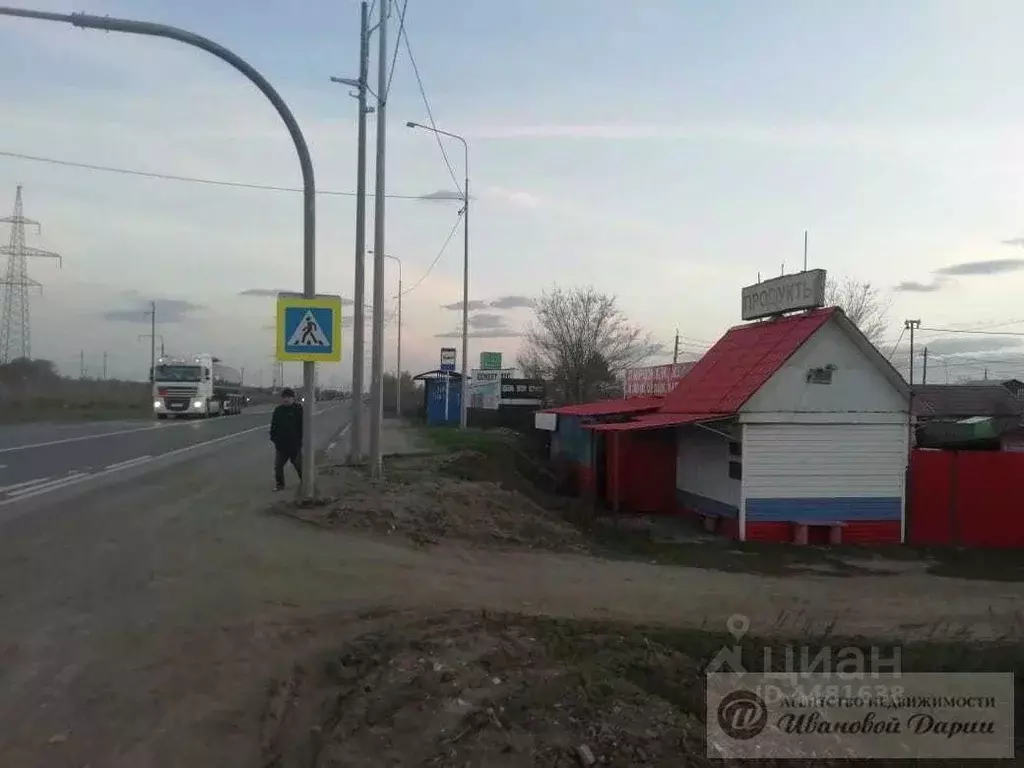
281 457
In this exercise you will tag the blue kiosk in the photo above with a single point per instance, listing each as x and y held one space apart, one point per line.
442 395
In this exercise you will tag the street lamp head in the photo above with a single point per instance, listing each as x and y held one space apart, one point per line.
411 124
345 81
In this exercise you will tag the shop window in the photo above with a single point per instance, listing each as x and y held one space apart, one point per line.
736 470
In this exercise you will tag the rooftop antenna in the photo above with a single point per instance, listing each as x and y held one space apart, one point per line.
759 277
783 272
805 250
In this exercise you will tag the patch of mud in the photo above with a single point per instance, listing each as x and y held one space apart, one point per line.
427 498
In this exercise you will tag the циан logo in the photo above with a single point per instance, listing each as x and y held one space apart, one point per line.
742 715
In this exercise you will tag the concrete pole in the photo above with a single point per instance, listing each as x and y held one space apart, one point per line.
377 363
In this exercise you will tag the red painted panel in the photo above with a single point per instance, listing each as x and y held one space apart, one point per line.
930 511
641 470
966 498
872 532
782 532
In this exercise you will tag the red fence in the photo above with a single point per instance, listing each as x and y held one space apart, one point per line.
966 498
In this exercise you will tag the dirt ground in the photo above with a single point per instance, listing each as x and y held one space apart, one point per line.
172 622
462 689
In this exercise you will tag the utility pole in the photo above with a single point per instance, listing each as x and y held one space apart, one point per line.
912 325
152 343
805 250
359 284
377 361
81 364
104 366
924 367
675 351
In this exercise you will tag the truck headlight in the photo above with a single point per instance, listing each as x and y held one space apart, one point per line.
157 404
197 404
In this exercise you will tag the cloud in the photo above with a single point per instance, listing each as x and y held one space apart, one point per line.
167 311
1018 241
443 195
272 293
502 302
983 267
959 345
484 325
495 333
517 197
913 286
487 320
473 305
512 302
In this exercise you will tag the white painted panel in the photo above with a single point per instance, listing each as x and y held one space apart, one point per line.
812 461
860 390
545 421
702 466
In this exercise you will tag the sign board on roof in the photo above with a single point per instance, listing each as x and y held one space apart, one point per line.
522 389
654 379
490 361
495 375
789 293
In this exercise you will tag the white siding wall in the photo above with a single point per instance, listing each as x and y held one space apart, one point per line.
806 461
859 392
702 466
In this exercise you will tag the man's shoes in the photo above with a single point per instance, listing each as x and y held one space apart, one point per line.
278 488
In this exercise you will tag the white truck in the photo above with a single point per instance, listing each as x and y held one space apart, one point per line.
199 386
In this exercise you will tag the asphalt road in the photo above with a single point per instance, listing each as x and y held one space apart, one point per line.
41 460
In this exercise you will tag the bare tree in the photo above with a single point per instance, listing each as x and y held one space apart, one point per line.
579 341
863 303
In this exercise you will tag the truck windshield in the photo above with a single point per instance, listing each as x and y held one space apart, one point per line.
177 373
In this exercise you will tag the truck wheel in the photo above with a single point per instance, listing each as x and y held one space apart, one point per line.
162 416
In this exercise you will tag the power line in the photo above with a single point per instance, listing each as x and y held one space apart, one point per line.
398 43
440 253
430 112
977 332
188 179
897 344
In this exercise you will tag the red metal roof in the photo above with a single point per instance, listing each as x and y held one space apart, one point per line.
610 407
655 421
740 363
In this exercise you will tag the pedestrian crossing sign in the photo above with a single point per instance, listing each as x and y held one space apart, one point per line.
308 329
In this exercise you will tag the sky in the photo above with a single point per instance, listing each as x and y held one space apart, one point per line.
665 151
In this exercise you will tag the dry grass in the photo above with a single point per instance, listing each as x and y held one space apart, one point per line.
74 400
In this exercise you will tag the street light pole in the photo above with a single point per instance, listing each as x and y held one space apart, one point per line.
359 284
146 28
463 400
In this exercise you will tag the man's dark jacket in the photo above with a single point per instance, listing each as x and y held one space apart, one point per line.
286 428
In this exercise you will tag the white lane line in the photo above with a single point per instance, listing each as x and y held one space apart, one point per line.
33 490
75 478
30 492
38 480
129 462
132 431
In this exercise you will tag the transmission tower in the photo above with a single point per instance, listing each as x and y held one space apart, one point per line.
15 321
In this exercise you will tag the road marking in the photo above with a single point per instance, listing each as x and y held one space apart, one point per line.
74 478
28 493
36 487
129 462
6 488
116 432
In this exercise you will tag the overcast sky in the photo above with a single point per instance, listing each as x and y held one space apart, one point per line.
666 151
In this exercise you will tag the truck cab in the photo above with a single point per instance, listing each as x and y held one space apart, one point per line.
197 386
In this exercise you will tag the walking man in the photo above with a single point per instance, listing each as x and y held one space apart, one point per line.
286 435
